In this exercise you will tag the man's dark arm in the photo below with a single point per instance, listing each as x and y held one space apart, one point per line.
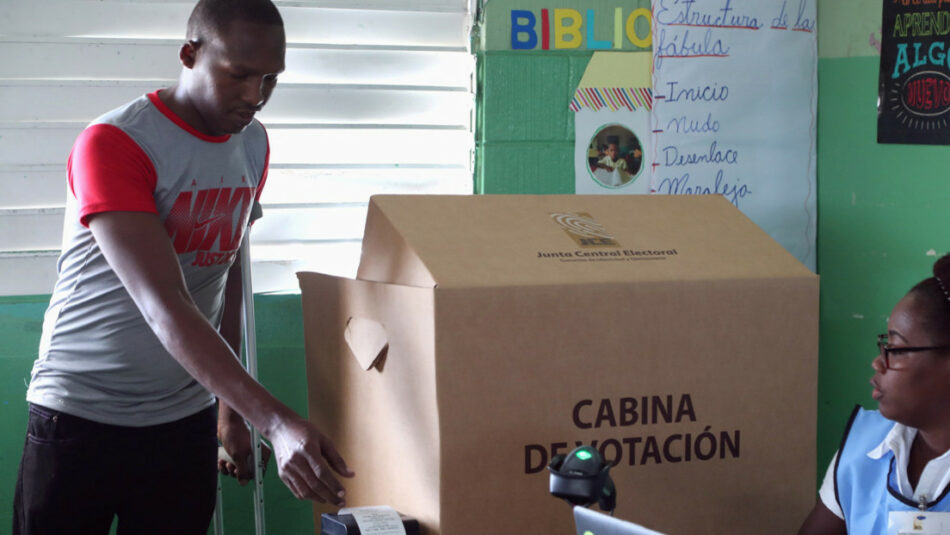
137 248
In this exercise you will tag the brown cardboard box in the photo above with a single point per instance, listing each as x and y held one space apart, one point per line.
671 332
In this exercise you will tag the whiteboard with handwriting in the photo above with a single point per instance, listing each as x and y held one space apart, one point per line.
735 97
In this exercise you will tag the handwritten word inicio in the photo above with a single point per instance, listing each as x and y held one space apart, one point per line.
701 93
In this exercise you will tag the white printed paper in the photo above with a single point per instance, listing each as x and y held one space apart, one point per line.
376 520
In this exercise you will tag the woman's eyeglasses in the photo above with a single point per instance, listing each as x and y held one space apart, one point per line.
895 358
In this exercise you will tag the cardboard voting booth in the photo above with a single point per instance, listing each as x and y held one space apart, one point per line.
486 334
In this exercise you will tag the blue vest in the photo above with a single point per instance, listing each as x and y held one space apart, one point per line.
866 488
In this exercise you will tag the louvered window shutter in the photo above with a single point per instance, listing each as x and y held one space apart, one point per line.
377 98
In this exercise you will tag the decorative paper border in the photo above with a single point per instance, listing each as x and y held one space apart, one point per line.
613 98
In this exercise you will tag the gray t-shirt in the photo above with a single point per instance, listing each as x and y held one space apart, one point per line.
98 358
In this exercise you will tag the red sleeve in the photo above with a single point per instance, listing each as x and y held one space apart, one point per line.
108 172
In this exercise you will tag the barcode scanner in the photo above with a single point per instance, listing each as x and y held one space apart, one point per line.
582 478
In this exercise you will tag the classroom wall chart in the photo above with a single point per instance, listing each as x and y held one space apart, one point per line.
735 102
914 90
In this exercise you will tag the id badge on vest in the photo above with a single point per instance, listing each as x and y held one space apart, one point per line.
918 523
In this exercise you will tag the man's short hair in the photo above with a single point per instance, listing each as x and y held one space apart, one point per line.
211 17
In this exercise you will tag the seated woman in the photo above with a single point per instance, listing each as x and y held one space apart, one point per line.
892 470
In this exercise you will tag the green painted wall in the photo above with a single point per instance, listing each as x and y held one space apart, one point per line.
282 369
532 149
882 212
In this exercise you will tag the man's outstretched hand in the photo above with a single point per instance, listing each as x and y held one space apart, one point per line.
306 460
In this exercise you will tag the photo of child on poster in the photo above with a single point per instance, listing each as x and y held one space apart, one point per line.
615 156
914 88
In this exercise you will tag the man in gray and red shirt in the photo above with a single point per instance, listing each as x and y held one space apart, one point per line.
161 192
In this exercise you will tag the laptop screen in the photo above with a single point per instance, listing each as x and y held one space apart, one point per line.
590 522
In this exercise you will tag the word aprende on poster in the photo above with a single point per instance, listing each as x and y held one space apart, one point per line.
914 88
563 28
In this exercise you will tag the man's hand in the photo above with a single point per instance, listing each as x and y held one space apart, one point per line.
306 461
235 438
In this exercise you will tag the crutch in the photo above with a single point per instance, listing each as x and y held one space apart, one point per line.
250 354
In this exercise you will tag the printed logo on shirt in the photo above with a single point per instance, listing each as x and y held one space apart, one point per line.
209 222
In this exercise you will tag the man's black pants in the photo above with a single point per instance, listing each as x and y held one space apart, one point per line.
77 475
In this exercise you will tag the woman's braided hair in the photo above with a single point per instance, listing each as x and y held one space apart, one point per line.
933 295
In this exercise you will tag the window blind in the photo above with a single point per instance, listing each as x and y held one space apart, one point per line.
378 97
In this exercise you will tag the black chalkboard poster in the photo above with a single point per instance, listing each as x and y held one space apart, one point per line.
914 89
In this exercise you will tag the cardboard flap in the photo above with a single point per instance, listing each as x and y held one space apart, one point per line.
387 256
367 340
453 241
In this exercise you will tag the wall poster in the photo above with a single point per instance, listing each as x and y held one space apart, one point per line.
735 102
690 97
612 136
914 89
